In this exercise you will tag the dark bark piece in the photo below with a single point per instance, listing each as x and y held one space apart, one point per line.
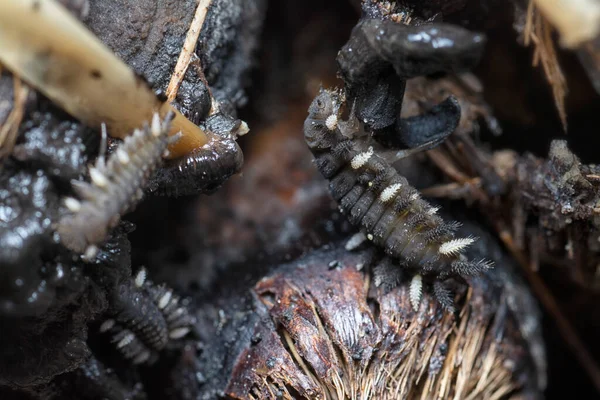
381 55
40 347
432 127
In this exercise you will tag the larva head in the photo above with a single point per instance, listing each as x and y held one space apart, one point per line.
320 128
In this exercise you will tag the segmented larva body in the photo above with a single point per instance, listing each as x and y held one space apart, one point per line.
374 197
177 316
116 187
144 318
138 312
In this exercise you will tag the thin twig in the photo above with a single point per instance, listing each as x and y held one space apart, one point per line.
447 166
539 31
8 131
189 45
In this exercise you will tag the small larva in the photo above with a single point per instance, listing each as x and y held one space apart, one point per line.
116 187
131 308
373 196
144 317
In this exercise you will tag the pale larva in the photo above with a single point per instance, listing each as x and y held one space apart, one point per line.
116 187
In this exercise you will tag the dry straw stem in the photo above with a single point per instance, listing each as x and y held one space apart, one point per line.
48 48
576 20
539 31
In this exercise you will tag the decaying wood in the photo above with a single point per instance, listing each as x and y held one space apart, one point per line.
328 333
560 192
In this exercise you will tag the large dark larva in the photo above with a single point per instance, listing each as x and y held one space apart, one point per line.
372 195
116 187
144 318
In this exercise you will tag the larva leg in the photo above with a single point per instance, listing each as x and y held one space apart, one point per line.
443 295
469 268
386 274
355 241
103 146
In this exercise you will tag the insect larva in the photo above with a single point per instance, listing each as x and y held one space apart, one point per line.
116 187
389 211
139 313
130 345
177 316
144 318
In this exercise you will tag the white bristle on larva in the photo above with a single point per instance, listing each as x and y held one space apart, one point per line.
72 204
142 357
98 178
107 325
175 314
128 338
122 156
164 300
389 192
433 210
416 291
331 122
414 196
243 129
156 128
455 246
178 333
140 277
361 158
90 252
356 240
